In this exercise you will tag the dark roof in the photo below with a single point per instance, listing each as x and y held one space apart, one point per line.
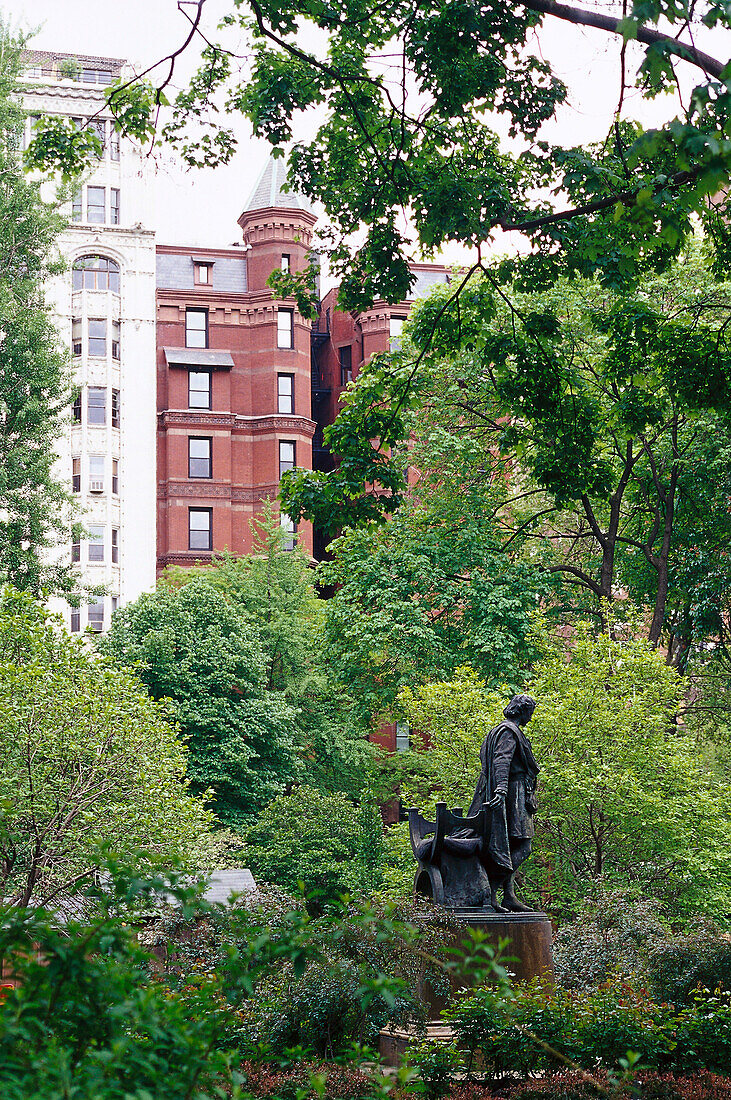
221 884
198 357
113 63
271 189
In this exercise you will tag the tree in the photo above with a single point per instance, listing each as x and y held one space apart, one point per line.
88 759
34 383
411 99
273 589
193 647
424 593
321 840
589 407
625 797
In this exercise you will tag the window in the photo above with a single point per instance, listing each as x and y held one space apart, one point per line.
115 603
95 615
199 457
285 393
115 476
76 336
286 456
116 408
95 76
395 329
286 264
75 548
75 475
114 206
289 528
95 273
97 336
113 142
202 274
96 543
199 528
403 737
285 328
98 127
95 205
75 620
115 339
115 545
196 328
96 406
96 473
77 407
76 207
199 389
346 365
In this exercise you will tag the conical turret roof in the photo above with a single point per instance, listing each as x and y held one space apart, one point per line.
271 189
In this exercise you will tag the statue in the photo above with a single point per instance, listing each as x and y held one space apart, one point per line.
467 861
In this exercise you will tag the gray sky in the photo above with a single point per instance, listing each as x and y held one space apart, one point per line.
201 206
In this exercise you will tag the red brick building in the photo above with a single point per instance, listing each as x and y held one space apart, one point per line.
234 379
246 385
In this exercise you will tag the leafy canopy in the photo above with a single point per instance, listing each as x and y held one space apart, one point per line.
625 793
410 101
34 382
88 758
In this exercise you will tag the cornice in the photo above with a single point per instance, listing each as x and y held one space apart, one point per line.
194 419
239 422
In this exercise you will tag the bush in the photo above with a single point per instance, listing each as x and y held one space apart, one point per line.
591 1028
649 1086
614 934
620 935
338 1082
321 840
681 964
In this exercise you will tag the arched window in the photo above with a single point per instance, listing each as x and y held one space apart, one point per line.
96 273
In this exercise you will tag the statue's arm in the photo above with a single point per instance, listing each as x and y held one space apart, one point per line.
502 759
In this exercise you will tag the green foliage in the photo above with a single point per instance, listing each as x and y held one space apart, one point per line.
34 383
421 595
625 793
569 434
625 796
436 1063
614 934
271 593
538 1027
196 649
87 758
319 839
449 722
87 1020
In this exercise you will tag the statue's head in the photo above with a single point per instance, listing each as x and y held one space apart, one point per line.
520 709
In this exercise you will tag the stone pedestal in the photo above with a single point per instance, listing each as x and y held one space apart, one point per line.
529 950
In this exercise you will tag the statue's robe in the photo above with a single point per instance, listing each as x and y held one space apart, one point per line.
507 763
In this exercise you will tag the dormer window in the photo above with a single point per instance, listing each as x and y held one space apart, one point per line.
202 273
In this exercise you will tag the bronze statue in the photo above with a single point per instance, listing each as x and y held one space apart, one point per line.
467 861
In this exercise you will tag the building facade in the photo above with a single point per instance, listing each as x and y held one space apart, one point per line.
234 380
105 310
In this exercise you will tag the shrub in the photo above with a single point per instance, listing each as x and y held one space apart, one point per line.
315 838
338 1082
680 964
591 1028
650 1086
614 934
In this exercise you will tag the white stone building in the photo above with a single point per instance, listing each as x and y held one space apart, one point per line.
106 309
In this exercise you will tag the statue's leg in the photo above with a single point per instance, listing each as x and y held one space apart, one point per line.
497 882
519 853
